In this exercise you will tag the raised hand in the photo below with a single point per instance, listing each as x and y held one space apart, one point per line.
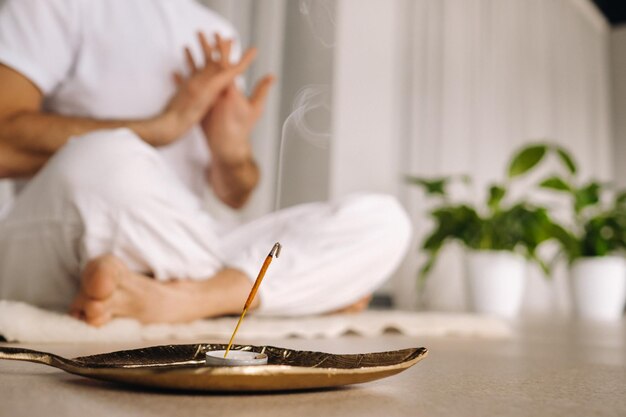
227 117
198 92
230 121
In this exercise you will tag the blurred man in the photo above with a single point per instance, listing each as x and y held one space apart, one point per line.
121 113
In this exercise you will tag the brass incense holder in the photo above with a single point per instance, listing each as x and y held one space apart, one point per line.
182 367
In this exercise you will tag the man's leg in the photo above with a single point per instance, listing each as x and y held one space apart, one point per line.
334 254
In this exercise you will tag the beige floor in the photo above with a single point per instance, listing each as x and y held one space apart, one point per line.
563 369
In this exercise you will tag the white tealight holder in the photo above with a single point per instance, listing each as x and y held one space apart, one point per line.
235 358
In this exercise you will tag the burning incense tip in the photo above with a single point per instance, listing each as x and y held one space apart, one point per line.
274 253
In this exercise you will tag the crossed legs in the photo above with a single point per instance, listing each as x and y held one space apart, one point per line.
109 289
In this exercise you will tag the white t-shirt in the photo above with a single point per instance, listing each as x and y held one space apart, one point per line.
111 59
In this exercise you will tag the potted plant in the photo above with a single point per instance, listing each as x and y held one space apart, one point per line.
500 236
593 245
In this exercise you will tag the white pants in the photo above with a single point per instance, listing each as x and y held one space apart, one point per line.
109 192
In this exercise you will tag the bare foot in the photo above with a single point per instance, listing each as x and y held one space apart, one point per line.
99 280
357 307
109 289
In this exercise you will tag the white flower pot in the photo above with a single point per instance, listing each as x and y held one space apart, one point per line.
599 287
496 281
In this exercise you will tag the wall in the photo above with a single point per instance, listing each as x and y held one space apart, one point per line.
307 99
618 79
6 192
365 149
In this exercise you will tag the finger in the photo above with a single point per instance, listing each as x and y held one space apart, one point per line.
224 46
218 46
227 76
191 63
225 52
206 48
245 61
259 95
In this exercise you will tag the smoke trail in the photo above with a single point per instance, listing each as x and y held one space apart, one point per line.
320 15
309 121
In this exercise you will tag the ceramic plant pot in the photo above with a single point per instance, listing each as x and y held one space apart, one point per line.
599 287
496 282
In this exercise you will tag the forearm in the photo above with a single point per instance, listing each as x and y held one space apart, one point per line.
28 139
233 181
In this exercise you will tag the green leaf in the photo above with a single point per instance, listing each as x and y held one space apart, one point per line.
537 226
545 267
451 222
526 159
435 240
455 222
435 186
555 183
620 200
603 234
570 245
496 193
586 196
432 245
567 159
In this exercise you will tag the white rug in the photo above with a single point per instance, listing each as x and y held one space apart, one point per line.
21 322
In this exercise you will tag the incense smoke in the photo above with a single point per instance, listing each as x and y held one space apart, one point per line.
310 121
319 14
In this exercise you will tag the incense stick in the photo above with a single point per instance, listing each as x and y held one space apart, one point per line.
275 252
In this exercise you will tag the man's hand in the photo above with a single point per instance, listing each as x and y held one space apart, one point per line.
197 93
227 125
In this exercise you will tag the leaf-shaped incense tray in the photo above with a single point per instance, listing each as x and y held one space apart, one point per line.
183 367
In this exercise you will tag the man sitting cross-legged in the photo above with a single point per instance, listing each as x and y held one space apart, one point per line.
118 155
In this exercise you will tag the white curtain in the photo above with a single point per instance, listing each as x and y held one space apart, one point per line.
486 77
